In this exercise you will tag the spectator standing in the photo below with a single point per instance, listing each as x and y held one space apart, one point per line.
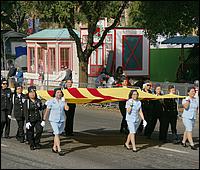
11 76
19 76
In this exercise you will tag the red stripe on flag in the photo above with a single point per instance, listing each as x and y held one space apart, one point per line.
74 92
96 93
50 92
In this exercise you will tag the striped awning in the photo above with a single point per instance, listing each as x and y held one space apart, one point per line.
100 95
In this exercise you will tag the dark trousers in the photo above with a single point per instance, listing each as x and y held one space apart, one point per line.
166 119
146 117
34 140
122 109
164 125
151 124
70 119
5 123
20 132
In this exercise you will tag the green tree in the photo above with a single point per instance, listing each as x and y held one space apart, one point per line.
165 17
68 13
13 15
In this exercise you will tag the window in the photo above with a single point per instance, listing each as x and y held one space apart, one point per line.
41 60
94 58
64 57
52 65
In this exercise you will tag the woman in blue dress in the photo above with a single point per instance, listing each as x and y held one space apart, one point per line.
56 109
133 117
191 107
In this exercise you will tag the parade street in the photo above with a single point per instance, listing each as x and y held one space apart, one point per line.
97 143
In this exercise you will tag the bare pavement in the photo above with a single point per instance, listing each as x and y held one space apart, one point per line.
97 143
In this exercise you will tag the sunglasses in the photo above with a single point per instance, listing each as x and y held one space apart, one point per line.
4 83
148 85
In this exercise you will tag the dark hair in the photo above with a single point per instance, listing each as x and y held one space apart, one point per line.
32 91
171 87
119 67
189 88
55 90
131 93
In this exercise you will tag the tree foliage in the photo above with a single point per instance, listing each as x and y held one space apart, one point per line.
13 15
165 17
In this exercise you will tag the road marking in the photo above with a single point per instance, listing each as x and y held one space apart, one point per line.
4 145
168 149
88 133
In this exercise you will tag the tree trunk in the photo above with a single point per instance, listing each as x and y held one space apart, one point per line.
83 73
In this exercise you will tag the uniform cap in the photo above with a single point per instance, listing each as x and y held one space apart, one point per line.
32 88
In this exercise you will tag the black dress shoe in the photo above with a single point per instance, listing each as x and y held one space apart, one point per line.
54 151
61 153
193 147
21 140
32 147
127 147
37 146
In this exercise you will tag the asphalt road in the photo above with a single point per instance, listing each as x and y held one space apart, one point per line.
97 143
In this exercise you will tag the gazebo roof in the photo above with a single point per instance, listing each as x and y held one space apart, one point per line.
182 40
54 34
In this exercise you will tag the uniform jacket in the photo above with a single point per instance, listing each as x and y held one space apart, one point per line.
33 110
18 105
6 103
170 106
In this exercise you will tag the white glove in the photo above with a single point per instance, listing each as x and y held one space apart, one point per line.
9 116
144 123
28 125
43 123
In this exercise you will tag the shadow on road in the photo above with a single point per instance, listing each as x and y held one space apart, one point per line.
94 138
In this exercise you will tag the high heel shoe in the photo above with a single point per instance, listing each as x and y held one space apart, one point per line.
126 147
54 151
134 150
61 153
193 147
183 144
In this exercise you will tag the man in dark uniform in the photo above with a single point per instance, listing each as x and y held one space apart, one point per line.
69 113
147 109
18 99
32 108
6 107
170 116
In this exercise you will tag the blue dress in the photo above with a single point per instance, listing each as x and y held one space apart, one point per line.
56 115
189 114
133 118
